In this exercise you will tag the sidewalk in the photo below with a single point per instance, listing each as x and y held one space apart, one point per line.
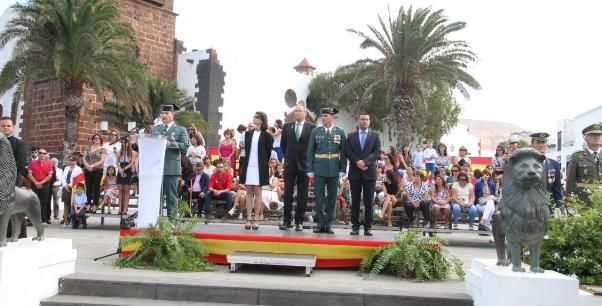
97 241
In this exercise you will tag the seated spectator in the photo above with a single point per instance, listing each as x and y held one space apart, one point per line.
486 208
389 200
453 178
239 194
228 168
463 199
417 198
197 185
390 164
209 168
78 207
484 180
269 196
111 190
220 186
343 201
440 197
193 132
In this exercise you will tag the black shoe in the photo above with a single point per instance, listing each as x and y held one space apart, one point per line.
354 232
318 230
285 226
48 222
298 227
85 226
368 233
62 221
328 230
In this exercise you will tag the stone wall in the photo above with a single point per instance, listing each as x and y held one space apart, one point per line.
43 116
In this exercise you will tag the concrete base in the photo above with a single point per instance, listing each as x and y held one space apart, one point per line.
491 285
30 270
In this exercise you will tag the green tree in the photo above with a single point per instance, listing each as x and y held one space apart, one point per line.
415 50
325 90
159 91
77 43
436 113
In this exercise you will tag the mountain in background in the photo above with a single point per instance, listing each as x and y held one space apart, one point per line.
492 133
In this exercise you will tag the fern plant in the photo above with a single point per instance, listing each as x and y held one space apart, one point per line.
169 245
423 259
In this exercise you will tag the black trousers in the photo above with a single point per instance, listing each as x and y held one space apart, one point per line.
300 180
359 187
93 186
44 197
424 207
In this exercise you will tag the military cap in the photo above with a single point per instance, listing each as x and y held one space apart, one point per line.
169 108
542 135
329 111
595 128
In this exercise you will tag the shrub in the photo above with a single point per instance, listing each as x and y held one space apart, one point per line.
423 259
574 243
169 245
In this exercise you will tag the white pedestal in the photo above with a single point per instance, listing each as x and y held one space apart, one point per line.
491 285
30 270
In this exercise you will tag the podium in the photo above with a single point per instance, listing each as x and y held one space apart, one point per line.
151 155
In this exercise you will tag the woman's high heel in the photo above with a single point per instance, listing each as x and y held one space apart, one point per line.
255 226
248 225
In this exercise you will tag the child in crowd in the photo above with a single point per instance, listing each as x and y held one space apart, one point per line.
418 157
111 190
430 158
78 207
343 201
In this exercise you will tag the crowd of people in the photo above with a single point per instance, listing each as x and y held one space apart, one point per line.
259 167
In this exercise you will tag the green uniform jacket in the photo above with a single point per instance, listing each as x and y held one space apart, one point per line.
172 164
583 172
320 143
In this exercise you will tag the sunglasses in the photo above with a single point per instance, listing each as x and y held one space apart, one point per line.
455 171
191 129
95 138
113 134
42 152
462 179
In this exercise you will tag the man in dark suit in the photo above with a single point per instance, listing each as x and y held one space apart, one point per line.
362 150
551 168
295 137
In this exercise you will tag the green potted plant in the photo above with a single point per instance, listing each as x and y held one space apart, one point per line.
410 256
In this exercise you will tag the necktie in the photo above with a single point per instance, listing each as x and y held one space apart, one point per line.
363 139
69 177
298 131
328 132
596 157
165 128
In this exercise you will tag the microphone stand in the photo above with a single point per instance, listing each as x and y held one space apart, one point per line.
129 221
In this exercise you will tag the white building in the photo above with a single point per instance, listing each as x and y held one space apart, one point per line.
569 137
5 54
187 76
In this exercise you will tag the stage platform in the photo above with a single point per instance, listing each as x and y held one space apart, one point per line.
340 250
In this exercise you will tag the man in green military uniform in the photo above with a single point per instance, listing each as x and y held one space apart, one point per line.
177 142
326 162
585 169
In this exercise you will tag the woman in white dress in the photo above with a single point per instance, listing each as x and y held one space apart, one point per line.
254 173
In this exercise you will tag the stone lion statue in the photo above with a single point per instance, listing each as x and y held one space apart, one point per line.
15 202
523 216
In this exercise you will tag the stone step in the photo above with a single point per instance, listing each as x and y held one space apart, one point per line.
66 300
90 286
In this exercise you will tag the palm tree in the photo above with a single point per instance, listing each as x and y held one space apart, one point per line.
78 43
415 51
159 91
